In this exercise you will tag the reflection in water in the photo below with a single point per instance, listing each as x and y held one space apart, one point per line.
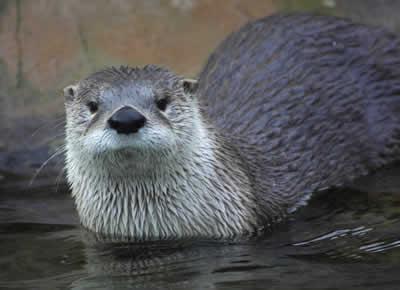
336 234
380 247
342 239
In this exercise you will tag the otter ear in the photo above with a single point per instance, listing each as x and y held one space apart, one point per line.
190 86
70 92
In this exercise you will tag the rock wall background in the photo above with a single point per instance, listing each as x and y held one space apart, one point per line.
46 44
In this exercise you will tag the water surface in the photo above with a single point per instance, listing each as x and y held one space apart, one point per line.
344 239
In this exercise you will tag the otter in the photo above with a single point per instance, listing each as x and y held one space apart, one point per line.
286 106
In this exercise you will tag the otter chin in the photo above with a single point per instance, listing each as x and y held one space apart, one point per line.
277 114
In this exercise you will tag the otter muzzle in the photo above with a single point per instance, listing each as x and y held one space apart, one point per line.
127 121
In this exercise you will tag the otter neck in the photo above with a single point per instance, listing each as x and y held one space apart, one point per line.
202 191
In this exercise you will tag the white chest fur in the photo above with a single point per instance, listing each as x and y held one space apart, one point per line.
190 197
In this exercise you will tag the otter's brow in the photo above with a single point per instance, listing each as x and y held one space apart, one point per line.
86 91
163 95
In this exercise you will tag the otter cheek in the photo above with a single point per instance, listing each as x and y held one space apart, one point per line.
93 142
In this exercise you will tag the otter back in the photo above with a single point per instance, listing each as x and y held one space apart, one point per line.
318 96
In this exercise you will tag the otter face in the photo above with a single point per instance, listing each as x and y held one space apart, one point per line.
141 111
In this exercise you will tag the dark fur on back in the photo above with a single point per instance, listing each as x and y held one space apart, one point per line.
318 96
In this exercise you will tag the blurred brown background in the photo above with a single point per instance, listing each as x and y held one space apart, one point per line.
47 44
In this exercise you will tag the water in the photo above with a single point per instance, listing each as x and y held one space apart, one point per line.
344 239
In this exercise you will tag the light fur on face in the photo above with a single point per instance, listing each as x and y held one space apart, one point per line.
172 179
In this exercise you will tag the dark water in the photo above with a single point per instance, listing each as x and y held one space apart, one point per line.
344 239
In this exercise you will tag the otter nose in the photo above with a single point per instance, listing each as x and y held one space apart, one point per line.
126 120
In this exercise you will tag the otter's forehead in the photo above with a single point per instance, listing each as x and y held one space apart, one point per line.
139 92
150 76
130 83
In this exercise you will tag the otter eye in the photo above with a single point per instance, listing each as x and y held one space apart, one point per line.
162 104
93 107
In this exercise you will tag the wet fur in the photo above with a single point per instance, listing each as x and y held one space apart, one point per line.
184 187
286 106
318 96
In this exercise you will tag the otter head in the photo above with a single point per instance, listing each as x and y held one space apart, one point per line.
143 163
140 114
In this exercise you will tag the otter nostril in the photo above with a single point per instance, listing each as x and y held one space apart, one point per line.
126 121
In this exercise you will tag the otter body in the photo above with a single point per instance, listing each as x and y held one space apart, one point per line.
286 106
318 96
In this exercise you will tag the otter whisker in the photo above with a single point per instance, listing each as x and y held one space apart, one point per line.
58 179
59 151
52 126
50 139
